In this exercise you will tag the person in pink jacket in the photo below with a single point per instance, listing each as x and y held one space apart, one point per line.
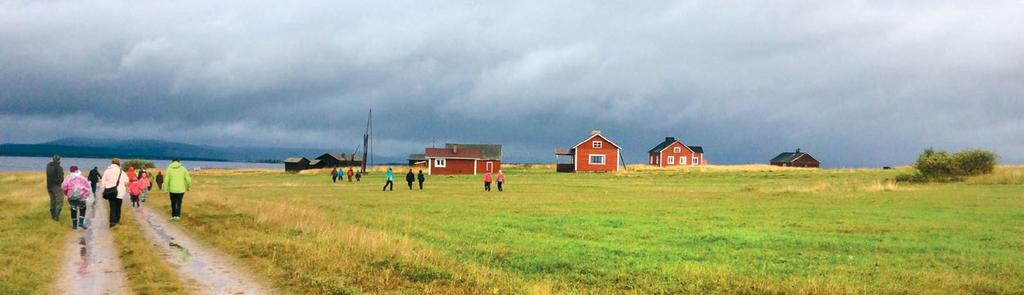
501 180
487 181
135 188
77 189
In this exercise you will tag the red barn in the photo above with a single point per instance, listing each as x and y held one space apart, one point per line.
596 153
456 158
672 152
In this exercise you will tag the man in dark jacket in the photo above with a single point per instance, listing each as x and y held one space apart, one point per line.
94 177
421 178
410 178
54 177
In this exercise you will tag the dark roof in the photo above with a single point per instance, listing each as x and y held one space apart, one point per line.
696 149
295 159
340 156
417 157
787 157
451 153
487 151
314 162
664 144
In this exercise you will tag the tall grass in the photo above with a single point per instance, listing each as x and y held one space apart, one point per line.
31 244
147 272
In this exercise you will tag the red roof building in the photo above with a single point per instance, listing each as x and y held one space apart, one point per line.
672 152
596 153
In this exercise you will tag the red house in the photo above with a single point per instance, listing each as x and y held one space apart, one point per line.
596 153
456 158
672 152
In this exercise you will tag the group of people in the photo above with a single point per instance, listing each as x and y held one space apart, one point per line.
115 183
410 178
339 174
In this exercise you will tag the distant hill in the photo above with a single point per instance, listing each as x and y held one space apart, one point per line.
158 150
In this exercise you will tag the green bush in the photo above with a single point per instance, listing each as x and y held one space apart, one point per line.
138 164
935 165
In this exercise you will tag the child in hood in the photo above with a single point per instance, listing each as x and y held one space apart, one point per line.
77 190
135 187
146 185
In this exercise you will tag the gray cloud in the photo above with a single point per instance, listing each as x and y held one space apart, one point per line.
855 83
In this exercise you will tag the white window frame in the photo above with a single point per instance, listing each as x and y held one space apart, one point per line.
671 160
696 161
677 150
489 166
440 163
596 144
590 159
682 160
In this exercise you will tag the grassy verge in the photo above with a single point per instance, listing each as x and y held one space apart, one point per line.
146 271
31 244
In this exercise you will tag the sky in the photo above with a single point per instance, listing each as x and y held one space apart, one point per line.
854 83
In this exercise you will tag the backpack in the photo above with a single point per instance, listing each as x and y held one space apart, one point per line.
75 194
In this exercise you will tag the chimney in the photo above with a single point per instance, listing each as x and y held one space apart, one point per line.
797 150
670 139
595 132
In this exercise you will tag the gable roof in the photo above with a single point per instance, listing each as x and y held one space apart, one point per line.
314 162
596 135
696 149
487 151
789 157
451 153
339 156
418 157
295 159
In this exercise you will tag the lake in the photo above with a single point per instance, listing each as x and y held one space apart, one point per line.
39 164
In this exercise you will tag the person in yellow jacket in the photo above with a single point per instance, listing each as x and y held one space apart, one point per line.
177 182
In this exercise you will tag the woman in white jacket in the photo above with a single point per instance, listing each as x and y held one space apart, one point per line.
113 178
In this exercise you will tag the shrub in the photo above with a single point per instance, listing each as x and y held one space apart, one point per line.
138 164
935 165
975 162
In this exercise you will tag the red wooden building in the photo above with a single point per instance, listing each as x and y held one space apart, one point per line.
672 152
797 159
456 158
594 154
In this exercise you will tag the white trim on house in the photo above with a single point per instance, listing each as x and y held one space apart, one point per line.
604 159
474 166
680 143
592 137
671 160
618 156
441 162
596 144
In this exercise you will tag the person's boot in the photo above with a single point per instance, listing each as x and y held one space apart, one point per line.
81 222
74 224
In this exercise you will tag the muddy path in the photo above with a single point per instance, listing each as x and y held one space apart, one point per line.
91 263
204 270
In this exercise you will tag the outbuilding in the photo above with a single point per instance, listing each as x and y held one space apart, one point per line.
335 160
672 152
459 158
296 164
596 153
795 159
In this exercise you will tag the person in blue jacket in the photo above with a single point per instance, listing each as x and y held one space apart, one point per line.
391 181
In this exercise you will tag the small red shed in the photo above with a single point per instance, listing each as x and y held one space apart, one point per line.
596 153
457 158
672 152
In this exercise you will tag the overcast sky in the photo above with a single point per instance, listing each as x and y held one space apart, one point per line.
854 83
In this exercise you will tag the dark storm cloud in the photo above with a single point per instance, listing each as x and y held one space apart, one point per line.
856 83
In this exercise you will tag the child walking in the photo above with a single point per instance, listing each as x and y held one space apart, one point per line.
78 190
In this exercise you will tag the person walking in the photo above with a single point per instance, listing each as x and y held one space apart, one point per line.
145 186
501 180
134 187
77 189
421 178
410 178
390 177
94 177
359 175
160 180
178 182
334 175
54 178
114 183
487 181
349 174
341 175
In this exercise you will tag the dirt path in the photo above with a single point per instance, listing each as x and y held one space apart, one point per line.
91 263
203 269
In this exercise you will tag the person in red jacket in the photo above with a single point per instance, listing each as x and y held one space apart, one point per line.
487 181
349 173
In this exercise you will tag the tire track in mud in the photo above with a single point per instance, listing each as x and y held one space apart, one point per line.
205 270
91 263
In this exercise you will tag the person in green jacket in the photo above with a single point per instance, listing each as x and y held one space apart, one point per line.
54 178
177 183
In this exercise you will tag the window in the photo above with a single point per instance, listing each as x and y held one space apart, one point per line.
671 160
677 150
596 159
682 160
652 160
439 163
490 167
596 144
696 161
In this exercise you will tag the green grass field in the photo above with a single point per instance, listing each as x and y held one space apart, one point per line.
643 231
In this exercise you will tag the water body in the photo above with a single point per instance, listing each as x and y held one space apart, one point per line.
39 164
